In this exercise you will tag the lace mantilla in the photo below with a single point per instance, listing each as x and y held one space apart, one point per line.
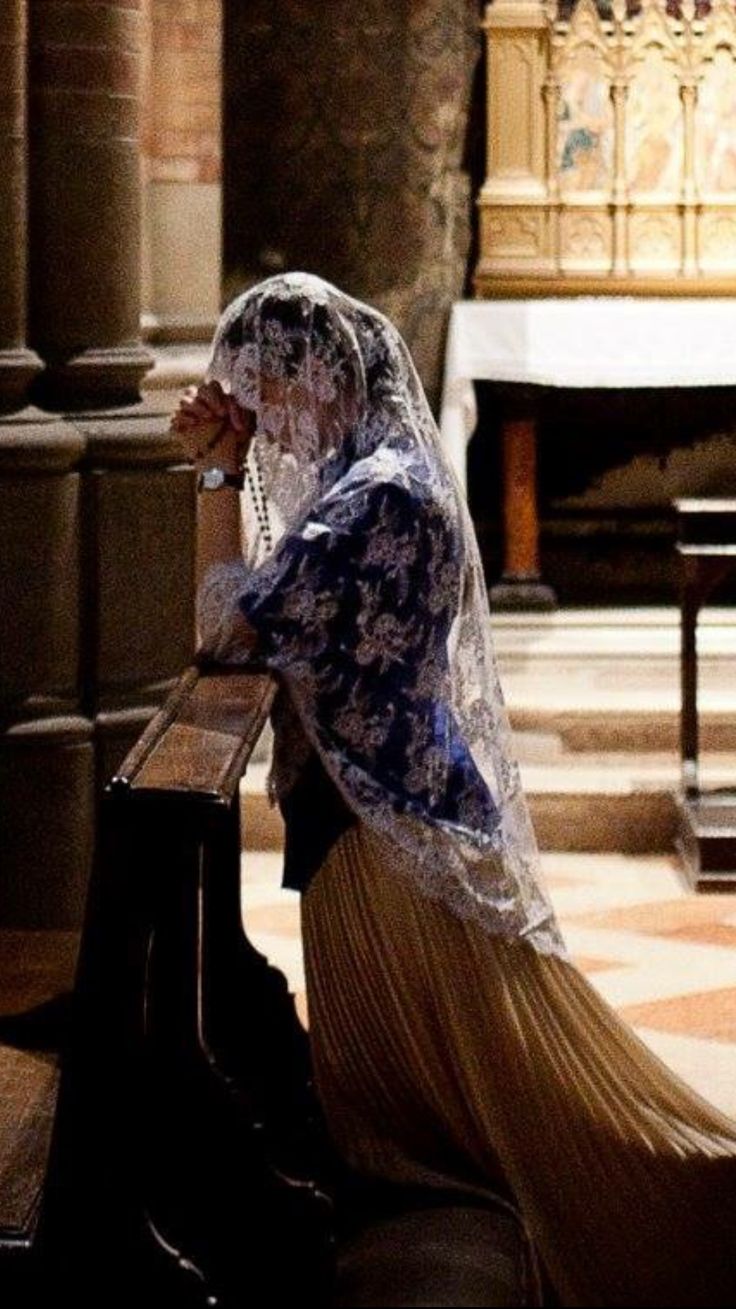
372 605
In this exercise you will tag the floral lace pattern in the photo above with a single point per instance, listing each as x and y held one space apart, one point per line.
372 606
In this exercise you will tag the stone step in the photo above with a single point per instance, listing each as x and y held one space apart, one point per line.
602 802
638 632
610 679
608 803
624 727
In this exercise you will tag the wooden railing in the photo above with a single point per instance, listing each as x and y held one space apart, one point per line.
189 1150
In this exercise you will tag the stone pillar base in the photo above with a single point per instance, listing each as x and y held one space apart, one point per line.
96 379
515 594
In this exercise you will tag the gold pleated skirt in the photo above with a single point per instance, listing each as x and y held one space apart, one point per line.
446 1056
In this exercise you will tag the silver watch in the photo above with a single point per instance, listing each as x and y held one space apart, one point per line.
214 479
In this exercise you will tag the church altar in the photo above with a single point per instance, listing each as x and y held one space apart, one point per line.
611 148
598 342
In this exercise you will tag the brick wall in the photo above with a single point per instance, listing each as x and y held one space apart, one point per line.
182 166
182 120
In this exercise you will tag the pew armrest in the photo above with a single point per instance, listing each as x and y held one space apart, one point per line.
200 742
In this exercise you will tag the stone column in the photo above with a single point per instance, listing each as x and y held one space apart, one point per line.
346 127
97 508
137 505
96 597
18 365
46 744
46 753
85 61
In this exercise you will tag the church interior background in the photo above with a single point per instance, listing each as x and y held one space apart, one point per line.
160 155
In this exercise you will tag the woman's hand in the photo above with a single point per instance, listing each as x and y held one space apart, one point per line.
209 420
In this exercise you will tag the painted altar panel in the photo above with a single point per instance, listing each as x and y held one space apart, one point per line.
634 120
585 125
716 144
654 128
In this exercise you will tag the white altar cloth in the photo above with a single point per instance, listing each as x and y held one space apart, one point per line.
581 342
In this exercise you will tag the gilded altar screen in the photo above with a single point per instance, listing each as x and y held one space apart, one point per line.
611 148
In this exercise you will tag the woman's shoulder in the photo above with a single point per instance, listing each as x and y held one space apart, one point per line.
386 479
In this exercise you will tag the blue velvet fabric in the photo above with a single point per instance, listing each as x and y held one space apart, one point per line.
354 609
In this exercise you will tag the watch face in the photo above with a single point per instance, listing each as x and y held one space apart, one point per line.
213 479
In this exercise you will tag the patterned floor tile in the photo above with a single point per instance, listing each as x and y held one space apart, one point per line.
709 1014
591 966
705 919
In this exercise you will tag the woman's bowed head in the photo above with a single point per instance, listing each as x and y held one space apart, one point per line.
286 366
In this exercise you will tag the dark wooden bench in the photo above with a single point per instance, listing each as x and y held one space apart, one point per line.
190 1165
707 818
28 1089
35 968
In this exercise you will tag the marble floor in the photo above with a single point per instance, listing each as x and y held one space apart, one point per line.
664 958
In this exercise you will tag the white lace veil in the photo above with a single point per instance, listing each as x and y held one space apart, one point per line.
340 412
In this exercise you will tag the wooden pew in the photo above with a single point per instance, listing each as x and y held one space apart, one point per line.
190 1164
36 967
28 1089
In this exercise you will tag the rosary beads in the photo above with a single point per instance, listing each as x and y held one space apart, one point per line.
260 500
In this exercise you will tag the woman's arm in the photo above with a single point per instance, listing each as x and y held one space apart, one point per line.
216 432
219 528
